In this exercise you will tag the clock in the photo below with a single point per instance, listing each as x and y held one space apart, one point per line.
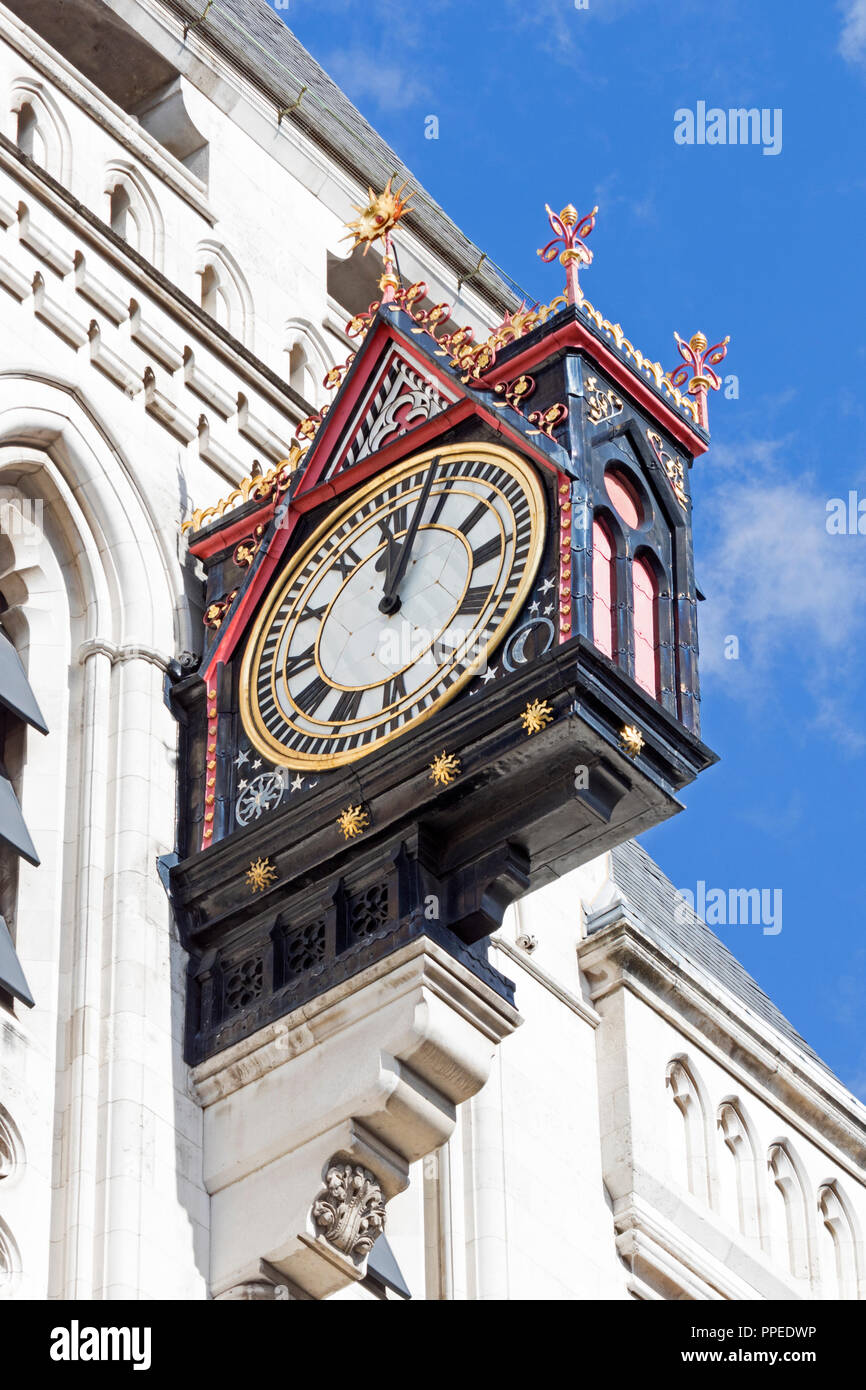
392 606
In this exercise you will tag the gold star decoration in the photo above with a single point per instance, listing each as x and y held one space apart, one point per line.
537 715
631 740
444 769
379 217
260 875
353 821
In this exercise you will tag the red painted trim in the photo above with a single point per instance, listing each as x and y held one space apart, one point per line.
575 335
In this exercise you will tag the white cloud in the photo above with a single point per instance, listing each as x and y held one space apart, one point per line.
852 42
789 591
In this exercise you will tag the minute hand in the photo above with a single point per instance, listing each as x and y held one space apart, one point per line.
390 600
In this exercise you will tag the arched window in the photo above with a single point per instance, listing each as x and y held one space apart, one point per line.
603 589
28 136
839 1254
646 625
133 212
224 293
214 299
739 1174
789 1227
693 1134
299 372
39 130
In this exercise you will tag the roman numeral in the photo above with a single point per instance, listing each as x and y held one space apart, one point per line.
393 690
312 695
310 614
474 601
347 706
491 550
300 661
346 562
473 518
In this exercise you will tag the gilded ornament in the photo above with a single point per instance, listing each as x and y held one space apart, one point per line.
353 822
537 715
631 740
445 769
601 405
260 875
378 217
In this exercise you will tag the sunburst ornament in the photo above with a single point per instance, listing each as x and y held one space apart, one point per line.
260 875
379 217
445 769
353 822
537 715
631 740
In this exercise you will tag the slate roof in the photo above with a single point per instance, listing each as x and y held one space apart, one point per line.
250 34
655 900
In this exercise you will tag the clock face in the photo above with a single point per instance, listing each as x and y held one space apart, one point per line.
392 605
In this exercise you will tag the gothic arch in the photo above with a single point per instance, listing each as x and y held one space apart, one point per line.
49 125
842 1250
302 336
96 610
739 1176
133 212
225 293
691 1101
792 1235
11 1147
10 1261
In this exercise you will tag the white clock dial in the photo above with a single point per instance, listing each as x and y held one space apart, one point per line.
448 545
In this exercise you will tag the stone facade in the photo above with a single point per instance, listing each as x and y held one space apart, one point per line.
173 289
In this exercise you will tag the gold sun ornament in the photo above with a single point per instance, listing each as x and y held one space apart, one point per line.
260 875
379 217
537 715
631 740
353 821
445 769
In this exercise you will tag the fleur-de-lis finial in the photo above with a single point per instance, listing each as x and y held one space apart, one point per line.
569 230
697 369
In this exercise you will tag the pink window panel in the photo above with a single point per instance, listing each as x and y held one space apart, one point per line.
624 498
646 626
603 589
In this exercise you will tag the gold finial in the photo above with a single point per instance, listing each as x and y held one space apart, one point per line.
537 715
260 875
568 216
698 341
444 769
379 217
631 740
353 821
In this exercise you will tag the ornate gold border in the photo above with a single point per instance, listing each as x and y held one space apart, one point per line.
253 725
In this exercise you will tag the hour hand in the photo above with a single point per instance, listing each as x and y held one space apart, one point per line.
390 600
388 558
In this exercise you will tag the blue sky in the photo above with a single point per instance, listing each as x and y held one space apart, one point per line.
542 102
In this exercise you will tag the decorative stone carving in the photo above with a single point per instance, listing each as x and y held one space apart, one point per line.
350 1209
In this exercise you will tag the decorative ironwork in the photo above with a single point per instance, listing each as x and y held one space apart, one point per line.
631 740
245 984
259 487
377 218
260 875
546 421
699 361
214 614
246 550
513 392
601 405
303 949
335 376
353 822
537 715
655 370
445 769
673 466
350 1209
264 793
569 229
